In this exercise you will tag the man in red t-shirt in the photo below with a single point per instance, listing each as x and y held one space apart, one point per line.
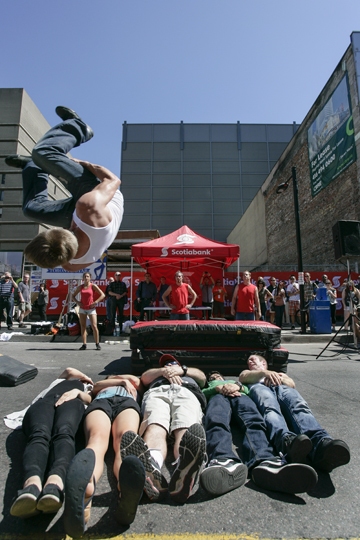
220 294
245 301
179 300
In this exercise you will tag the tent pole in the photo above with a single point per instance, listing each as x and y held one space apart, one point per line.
131 287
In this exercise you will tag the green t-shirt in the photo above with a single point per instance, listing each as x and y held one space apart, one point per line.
210 391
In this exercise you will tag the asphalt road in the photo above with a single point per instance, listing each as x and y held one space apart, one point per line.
330 385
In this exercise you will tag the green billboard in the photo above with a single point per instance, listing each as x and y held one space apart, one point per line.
331 140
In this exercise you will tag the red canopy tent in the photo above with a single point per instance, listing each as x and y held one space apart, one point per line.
187 251
183 249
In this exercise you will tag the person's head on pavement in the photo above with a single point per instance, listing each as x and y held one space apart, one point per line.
256 362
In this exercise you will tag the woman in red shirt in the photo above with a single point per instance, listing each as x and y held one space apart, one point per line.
87 308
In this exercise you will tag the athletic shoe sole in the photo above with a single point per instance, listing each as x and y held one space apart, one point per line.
290 478
218 480
49 504
335 454
78 476
24 506
133 445
185 479
132 483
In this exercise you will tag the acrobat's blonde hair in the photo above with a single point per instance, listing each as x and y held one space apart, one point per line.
52 248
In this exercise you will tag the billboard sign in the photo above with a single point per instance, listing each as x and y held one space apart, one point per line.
96 269
331 139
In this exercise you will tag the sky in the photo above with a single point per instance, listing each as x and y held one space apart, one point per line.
166 61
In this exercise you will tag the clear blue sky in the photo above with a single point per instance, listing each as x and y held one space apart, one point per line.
151 61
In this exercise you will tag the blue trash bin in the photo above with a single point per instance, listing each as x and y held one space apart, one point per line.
320 317
321 293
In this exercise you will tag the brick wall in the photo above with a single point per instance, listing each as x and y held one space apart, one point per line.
338 201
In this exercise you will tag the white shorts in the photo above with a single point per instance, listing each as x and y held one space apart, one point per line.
171 406
87 311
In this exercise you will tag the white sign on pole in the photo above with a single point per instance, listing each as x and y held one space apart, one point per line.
96 269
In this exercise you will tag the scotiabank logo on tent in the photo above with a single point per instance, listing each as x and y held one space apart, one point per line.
191 252
187 251
185 239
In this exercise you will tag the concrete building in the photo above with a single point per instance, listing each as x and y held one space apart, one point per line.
325 151
200 175
21 125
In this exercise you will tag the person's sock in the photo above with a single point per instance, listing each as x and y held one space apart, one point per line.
157 455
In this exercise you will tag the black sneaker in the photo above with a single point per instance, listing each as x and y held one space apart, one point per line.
192 449
68 114
275 475
17 161
221 476
51 499
98 348
83 347
296 447
331 453
24 505
133 445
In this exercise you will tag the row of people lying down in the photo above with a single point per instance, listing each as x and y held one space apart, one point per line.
281 441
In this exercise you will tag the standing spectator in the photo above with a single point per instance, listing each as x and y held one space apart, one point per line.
309 292
146 294
108 300
43 300
309 288
163 286
271 305
264 296
331 294
179 302
7 286
350 298
219 293
118 295
24 300
279 303
323 281
294 299
245 301
87 305
206 285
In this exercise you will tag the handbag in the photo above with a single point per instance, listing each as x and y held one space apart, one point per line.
137 305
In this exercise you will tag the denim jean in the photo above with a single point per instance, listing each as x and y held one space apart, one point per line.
279 313
241 316
117 305
285 411
49 156
109 301
180 316
7 304
221 410
50 432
